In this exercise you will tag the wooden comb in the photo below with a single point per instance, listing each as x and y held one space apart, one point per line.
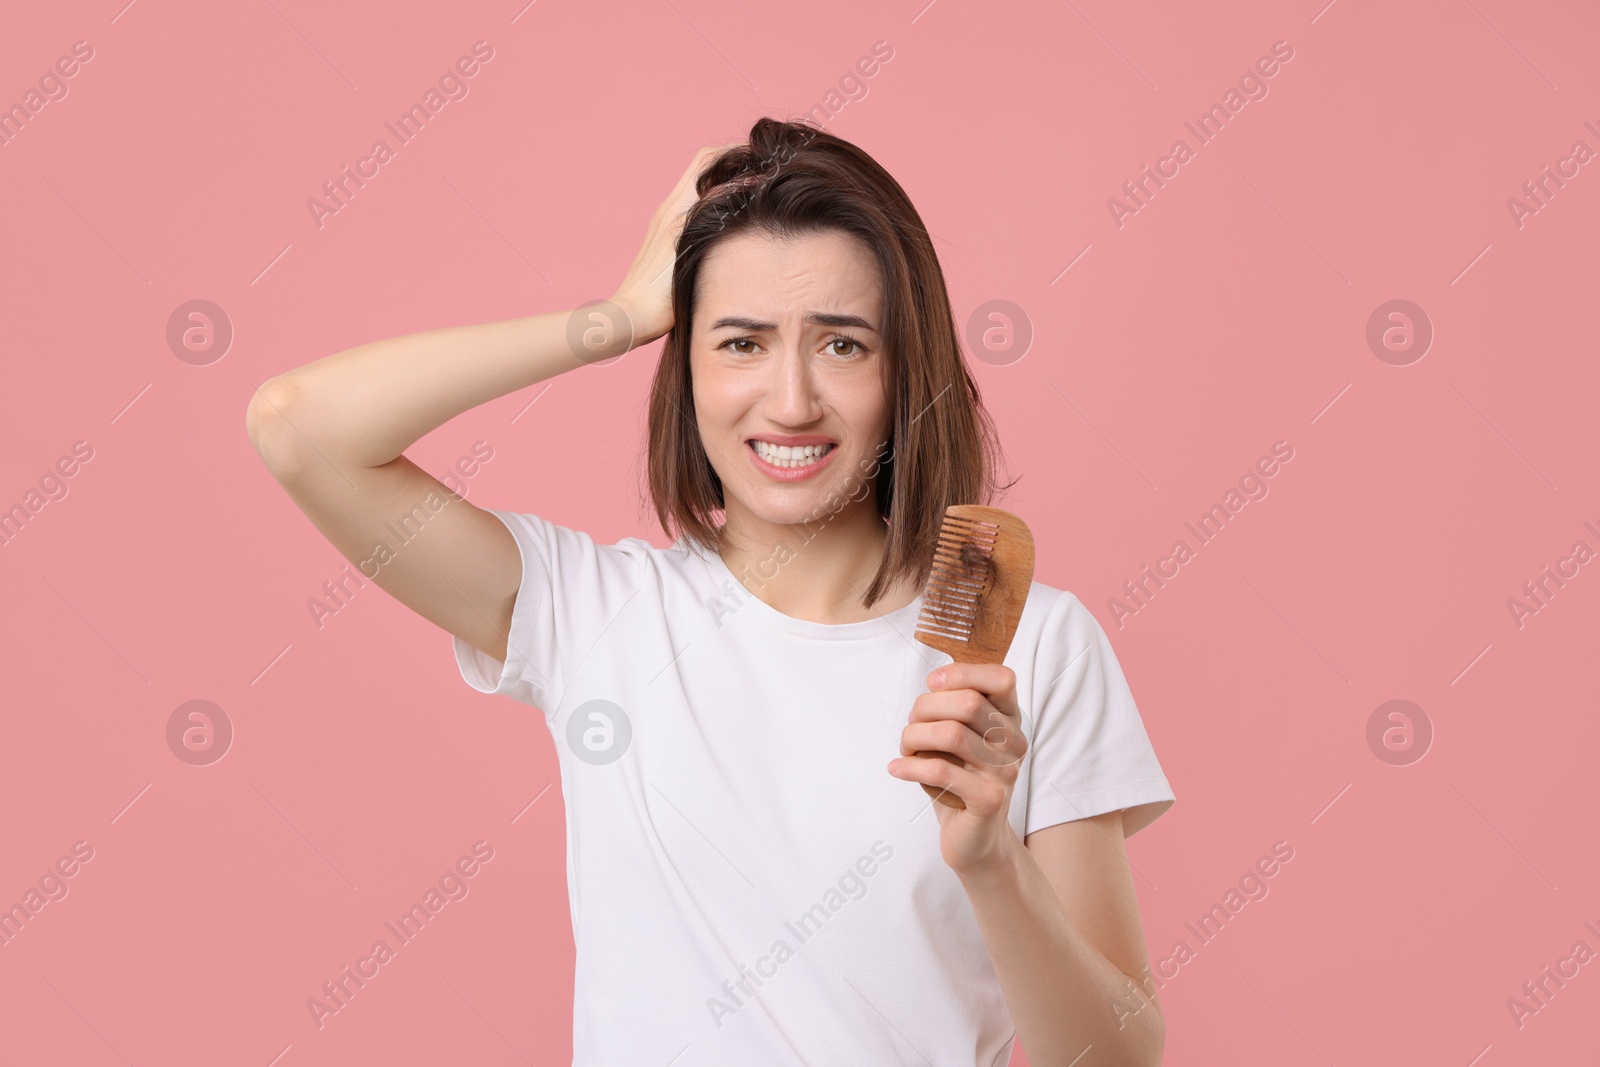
982 569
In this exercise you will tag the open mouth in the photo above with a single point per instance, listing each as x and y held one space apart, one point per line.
790 456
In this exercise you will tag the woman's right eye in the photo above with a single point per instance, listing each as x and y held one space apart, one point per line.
738 341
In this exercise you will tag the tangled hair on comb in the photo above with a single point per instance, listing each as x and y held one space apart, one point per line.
973 558
790 179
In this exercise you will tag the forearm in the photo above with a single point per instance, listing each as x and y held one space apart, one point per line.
1064 995
368 404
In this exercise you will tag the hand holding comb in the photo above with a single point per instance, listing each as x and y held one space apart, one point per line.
982 569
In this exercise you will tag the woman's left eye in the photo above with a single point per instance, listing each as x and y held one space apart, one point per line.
856 347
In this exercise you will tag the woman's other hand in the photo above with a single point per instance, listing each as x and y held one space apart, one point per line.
646 292
970 712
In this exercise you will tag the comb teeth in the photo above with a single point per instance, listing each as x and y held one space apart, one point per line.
962 575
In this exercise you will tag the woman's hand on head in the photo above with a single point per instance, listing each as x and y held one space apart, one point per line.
646 291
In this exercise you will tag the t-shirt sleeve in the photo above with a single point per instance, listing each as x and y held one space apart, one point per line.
1089 748
571 590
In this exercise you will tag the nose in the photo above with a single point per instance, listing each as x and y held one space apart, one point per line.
792 398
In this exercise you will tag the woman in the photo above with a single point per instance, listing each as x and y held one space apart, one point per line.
752 878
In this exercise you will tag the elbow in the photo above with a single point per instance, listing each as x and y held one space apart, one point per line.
1154 1043
267 423
1141 1033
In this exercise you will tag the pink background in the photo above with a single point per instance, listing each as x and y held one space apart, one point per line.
1229 313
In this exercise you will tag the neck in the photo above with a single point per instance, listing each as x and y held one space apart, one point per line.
819 572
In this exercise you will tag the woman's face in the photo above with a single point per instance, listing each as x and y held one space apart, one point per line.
786 362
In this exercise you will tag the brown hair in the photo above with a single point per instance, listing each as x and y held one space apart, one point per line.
790 179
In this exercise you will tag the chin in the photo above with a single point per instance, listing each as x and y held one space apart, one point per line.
814 504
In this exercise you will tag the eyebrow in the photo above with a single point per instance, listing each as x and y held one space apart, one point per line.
816 318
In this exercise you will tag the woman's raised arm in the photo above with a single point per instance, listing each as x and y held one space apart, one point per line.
332 432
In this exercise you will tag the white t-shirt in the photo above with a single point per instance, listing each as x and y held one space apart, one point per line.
748 883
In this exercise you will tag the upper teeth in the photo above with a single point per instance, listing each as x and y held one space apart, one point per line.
789 455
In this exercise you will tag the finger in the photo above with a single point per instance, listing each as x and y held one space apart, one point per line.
969 707
995 751
982 796
994 680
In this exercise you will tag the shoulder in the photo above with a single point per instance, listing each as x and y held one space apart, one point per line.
573 558
1050 612
539 528
1058 636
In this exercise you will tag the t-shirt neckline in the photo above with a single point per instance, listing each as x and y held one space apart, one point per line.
863 630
